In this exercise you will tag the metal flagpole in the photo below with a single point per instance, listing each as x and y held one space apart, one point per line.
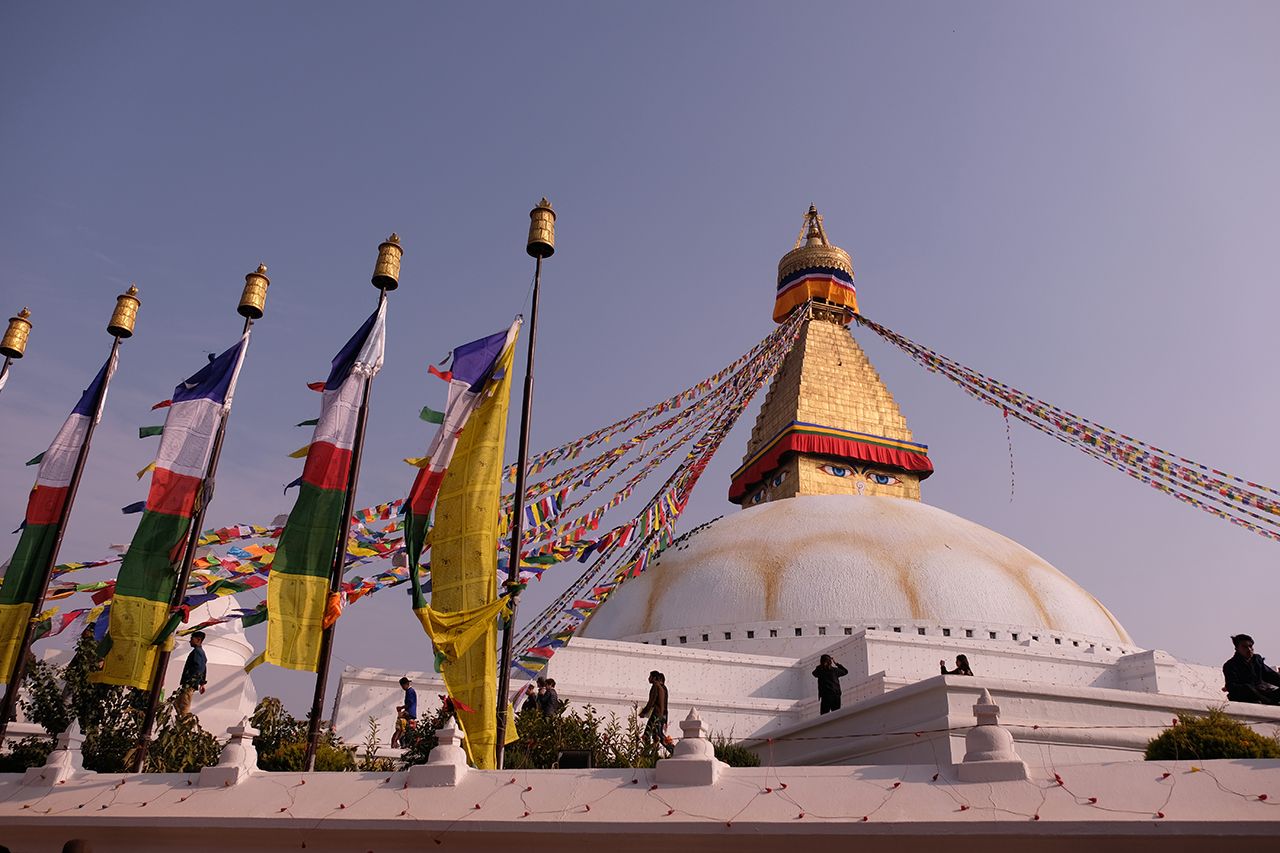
541 244
252 301
14 344
386 276
121 326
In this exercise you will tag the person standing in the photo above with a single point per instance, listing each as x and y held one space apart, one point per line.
531 698
549 699
962 666
655 731
193 674
828 673
1248 677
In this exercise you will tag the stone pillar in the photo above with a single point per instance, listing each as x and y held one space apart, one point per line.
447 764
239 758
693 762
989 754
64 762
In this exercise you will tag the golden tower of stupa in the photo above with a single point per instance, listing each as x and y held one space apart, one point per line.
828 425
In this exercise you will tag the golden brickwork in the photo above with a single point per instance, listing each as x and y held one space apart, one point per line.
828 380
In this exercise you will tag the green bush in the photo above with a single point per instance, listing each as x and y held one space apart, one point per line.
282 741
26 752
110 718
289 757
1213 735
611 743
734 754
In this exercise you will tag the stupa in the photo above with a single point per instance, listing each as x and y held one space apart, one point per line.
834 552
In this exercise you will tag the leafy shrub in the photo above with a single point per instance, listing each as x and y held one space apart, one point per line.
282 741
1213 735
26 752
180 745
734 754
611 743
289 757
110 718
370 761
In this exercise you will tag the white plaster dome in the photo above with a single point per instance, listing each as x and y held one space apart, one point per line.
849 561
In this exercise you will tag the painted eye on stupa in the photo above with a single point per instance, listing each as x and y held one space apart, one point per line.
836 470
757 497
777 481
883 479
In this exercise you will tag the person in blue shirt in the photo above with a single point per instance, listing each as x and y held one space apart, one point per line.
193 673
407 713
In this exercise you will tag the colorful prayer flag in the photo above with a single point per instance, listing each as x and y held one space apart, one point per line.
148 573
298 585
461 618
45 516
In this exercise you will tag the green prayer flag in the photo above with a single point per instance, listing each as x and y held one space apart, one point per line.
312 422
431 416
146 432
37 460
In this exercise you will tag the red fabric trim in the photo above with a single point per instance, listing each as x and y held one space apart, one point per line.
824 445
44 506
172 494
316 386
327 466
446 375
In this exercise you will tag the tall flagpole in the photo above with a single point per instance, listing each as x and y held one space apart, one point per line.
14 345
252 302
386 276
121 326
541 244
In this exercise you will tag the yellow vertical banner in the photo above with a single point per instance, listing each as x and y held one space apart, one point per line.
464 559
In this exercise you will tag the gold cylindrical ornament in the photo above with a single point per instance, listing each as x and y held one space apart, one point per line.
386 272
253 299
15 337
542 231
126 313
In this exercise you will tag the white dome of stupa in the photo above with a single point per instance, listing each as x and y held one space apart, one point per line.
848 562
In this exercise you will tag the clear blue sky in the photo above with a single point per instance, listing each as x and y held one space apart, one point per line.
1079 199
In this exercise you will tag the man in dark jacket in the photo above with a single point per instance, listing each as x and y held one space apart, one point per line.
1248 678
828 673
193 673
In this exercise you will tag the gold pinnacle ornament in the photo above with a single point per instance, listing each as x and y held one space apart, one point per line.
386 272
253 299
542 231
15 337
126 313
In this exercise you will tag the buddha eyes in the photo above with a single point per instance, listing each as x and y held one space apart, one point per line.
777 481
757 497
880 479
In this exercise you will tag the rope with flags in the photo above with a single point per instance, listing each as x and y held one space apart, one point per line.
1235 499
652 529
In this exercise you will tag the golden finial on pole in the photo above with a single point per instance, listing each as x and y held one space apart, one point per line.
542 231
15 337
126 313
253 299
386 272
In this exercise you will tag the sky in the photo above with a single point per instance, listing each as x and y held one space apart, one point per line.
1077 199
